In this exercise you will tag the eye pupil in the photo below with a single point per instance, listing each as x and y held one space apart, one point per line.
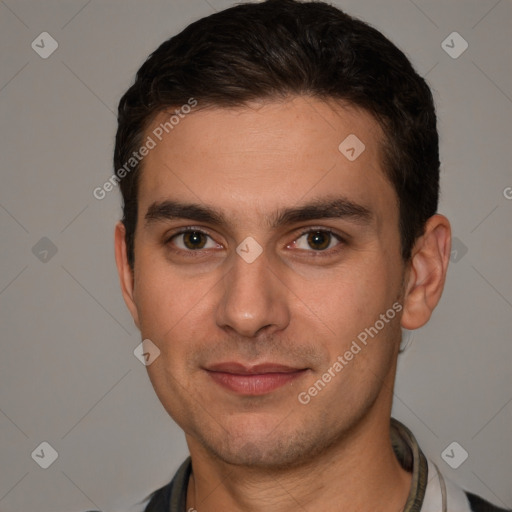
194 240
319 240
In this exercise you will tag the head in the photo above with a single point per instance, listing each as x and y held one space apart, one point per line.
285 204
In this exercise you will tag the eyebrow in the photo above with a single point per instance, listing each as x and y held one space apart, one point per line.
325 208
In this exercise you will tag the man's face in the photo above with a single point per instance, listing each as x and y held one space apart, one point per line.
242 335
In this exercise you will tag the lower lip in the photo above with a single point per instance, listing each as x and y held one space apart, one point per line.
257 384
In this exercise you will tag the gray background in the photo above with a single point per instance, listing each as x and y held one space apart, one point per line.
68 375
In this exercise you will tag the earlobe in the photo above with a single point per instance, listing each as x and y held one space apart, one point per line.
427 272
126 277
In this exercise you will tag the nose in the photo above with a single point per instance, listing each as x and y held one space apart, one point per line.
253 299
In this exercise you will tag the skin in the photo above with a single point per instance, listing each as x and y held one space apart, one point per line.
294 305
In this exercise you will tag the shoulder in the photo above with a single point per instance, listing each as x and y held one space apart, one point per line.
172 497
478 504
441 493
159 500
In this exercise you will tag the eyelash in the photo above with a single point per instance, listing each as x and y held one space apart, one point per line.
322 253
184 231
325 252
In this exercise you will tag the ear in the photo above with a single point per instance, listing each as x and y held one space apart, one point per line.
427 272
126 277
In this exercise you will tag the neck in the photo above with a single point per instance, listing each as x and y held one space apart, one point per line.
359 472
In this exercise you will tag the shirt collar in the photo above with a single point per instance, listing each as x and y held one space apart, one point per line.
412 459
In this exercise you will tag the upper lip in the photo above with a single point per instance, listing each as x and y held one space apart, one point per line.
240 369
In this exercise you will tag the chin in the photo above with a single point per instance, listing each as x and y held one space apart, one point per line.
268 456
263 446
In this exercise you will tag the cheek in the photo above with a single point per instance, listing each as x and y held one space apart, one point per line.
351 303
349 295
157 302
163 298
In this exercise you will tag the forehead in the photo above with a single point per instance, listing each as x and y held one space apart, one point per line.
265 155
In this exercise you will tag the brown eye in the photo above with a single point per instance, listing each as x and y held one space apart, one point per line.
319 240
193 240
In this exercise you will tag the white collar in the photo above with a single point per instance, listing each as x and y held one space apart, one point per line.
438 486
